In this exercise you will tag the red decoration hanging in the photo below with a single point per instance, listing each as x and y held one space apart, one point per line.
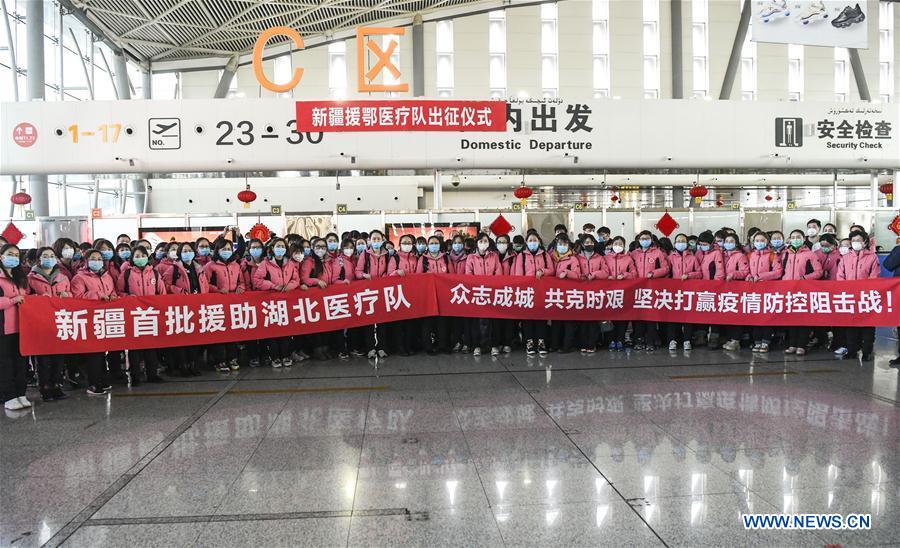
261 232
523 193
500 226
614 198
698 192
21 198
719 203
768 197
247 196
12 234
666 224
888 190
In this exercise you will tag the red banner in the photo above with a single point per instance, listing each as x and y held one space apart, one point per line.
51 325
414 115
55 326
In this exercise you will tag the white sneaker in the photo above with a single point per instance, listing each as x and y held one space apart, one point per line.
731 345
371 355
842 351
772 9
495 351
763 348
507 349
816 11
287 362
687 345
13 405
382 354
477 351
24 401
276 363
673 345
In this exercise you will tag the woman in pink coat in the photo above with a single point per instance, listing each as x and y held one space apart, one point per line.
764 266
204 251
712 267
279 273
65 251
13 367
186 277
533 261
46 278
484 261
592 264
435 329
800 263
737 268
374 262
829 257
563 333
224 275
650 262
685 266
95 283
860 263
620 266
404 333
140 279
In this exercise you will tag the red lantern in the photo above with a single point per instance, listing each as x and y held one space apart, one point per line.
614 198
888 190
719 203
21 198
768 197
247 196
698 192
523 193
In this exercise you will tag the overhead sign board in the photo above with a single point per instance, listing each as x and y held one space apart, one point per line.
262 134
827 23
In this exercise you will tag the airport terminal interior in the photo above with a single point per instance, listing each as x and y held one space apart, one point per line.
449 273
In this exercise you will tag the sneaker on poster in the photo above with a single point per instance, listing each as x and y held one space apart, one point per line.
814 12
774 9
849 16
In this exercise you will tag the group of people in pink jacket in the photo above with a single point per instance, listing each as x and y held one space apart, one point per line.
103 271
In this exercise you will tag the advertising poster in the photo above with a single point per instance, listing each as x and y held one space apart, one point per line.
810 22
179 233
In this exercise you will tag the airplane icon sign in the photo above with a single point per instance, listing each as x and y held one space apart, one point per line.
165 133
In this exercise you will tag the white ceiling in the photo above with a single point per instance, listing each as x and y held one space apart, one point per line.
158 30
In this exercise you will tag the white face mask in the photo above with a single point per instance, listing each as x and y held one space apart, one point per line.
502 248
406 248
483 246
348 251
298 257
173 255
844 250
68 253
811 232
857 246
618 249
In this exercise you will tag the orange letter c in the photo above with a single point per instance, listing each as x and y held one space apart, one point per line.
258 53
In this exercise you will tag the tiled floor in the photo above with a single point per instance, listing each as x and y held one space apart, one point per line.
567 450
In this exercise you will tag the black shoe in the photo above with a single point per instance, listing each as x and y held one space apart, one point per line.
542 348
47 395
895 361
58 394
529 347
848 17
319 354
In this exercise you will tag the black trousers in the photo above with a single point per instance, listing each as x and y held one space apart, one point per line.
860 338
376 338
219 353
645 331
563 334
479 330
618 332
588 334
762 333
797 336
279 348
504 332
679 332
534 330
50 371
13 368
436 333
95 369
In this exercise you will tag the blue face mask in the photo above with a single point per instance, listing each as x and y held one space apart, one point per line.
95 266
106 254
532 246
420 247
10 262
600 239
279 251
203 251
159 255
360 248
332 246
457 248
376 245
306 251
729 246
777 243
704 247
644 243
77 256
680 246
759 245
187 256
225 254
256 252
125 254
562 249
48 262
434 248
390 251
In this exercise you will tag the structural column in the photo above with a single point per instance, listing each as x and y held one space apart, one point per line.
227 76
438 189
34 90
418 36
735 58
123 88
677 55
859 75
